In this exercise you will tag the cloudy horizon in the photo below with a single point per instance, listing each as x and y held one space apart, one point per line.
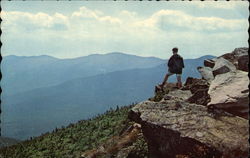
74 29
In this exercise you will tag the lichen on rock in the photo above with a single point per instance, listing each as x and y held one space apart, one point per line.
207 118
170 124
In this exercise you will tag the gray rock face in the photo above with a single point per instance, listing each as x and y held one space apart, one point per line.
240 52
222 66
243 63
209 63
230 92
175 128
229 87
206 73
177 95
201 120
235 56
199 89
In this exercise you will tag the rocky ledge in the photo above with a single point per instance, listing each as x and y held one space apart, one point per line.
207 118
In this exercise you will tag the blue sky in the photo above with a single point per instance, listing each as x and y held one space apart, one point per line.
68 29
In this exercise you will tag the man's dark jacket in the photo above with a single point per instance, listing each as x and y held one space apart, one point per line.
175 64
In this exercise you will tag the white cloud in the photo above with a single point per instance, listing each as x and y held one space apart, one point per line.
178 20
219 4
128 16
87 20
30 22
87 31
84 12
109 19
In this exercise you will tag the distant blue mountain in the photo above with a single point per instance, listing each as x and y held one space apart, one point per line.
39 110
21 73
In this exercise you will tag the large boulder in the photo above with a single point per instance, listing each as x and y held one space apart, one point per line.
243 63
222 66
240 52
234 57
194 84
200 97
175 128
177 95
199 89
230 92
161 91
209 62
206 73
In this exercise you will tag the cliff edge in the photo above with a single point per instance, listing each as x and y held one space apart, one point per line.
207 118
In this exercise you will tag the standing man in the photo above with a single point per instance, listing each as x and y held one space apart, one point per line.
175 66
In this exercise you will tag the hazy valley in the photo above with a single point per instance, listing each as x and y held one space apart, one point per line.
60 92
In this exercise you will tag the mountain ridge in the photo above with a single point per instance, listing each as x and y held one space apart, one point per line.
98 92
25 73
94 54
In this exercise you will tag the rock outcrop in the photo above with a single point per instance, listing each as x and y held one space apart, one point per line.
243 63
230 92
239 57
174 128
207 118
206 73
209 63
199 89
222 66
